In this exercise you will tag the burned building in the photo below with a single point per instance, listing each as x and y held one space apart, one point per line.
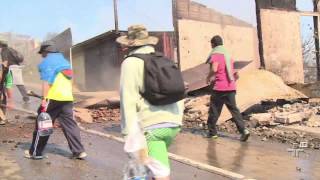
281 39
278 42
96 61
275 43
195 25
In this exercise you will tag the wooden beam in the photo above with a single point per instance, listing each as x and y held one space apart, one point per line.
316 37
176 30
259 32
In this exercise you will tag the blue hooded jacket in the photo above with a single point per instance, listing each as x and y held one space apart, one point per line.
51 66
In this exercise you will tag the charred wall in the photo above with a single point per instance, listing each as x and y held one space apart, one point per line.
196 24
276 4
96 62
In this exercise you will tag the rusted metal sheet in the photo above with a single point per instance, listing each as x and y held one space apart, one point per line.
196 77
63 42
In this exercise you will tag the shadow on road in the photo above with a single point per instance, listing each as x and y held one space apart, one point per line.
50 149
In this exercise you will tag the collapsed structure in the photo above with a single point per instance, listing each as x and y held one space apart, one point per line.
275 45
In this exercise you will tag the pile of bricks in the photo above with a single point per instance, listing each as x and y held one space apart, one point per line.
105 114
196 112
286 114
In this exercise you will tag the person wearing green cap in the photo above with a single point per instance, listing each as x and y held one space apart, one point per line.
224 88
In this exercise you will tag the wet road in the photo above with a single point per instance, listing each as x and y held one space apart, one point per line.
105 161
255 159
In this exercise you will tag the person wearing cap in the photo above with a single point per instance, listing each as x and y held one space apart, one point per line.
6 82
56 74
160 124
14 68
224 89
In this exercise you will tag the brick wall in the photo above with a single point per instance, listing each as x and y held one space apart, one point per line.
187 9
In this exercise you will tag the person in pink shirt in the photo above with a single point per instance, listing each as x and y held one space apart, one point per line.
223 78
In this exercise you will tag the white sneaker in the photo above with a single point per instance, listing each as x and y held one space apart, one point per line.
80 156
29 156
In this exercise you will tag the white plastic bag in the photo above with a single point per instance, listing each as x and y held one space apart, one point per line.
136 144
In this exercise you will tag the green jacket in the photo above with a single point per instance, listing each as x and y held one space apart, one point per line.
134 108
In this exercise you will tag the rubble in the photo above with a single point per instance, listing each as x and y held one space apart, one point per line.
289 118
83 115
314 121
261 119
264 120
104 114
196 112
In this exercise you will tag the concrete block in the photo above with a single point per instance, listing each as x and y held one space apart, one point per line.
262 118
289 118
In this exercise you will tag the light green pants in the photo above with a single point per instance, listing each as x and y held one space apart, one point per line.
158 141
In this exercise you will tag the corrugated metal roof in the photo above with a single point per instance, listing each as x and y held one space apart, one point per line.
104 36
94 39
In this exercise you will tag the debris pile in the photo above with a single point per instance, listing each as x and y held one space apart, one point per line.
83 115
265 119
314 121
196 112
286 114
105 114
273 133
268 113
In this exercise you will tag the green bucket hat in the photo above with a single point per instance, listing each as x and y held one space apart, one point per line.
137 36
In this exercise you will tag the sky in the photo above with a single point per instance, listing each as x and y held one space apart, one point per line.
87 18
305 5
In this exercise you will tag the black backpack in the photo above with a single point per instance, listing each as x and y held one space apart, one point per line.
163 80
17 57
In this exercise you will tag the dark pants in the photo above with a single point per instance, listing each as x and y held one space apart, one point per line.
23 92
64 112
218 99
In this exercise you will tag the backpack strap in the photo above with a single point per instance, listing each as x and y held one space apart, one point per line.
146 56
